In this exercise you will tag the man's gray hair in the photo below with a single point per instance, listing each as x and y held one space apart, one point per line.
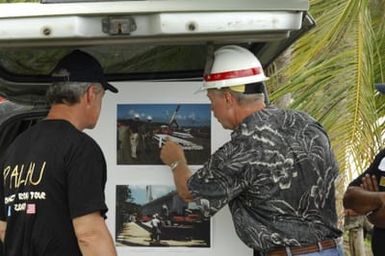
243 99
68 92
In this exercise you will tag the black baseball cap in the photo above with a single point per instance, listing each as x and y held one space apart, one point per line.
79 66
380 88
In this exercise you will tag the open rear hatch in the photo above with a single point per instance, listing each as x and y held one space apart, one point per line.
138 40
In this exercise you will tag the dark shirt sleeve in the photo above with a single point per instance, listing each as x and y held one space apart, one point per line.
86 180
221 178
377 168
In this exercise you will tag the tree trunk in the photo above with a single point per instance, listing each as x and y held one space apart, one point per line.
354 226
356 242
282 61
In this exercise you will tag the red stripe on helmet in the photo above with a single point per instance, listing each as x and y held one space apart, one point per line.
233 74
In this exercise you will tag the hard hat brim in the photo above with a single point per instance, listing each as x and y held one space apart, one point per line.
230 83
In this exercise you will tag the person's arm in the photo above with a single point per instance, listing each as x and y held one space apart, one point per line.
181 175
173 155
361 200
3 228
367 200
377 218
93 236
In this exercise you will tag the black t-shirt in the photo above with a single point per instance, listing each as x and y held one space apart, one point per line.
52 173
376 168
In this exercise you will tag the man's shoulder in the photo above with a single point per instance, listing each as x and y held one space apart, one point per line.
273 115
289 112
63 132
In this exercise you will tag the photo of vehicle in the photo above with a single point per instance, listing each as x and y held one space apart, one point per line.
143 128
154 215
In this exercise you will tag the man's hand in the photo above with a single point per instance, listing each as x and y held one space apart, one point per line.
171 152
377 215
369 183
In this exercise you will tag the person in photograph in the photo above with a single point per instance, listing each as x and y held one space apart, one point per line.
53 175
366 195
276 173
165 212
146 135
155 228
134 136
124 143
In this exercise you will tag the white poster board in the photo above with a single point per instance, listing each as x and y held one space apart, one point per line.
224 240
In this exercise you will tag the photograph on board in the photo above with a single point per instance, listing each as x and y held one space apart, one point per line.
155 216
143 128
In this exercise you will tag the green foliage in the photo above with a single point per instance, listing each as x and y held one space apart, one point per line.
124 206
332 74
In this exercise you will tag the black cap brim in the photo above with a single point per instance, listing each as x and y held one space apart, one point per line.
109 87
380 88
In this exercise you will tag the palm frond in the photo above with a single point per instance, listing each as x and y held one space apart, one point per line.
331 77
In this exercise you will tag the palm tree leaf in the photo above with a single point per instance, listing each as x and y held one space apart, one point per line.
331 77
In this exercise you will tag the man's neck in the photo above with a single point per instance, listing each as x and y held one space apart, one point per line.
246 111
67 113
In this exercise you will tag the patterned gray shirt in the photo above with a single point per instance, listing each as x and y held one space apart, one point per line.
277 176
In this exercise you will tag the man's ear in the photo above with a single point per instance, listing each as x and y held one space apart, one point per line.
229 98
90 94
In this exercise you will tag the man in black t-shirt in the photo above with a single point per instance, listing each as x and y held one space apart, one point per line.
366 195
53 175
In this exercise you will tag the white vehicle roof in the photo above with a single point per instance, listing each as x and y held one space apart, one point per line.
138 40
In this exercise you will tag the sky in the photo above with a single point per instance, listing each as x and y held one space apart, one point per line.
138 192
188 115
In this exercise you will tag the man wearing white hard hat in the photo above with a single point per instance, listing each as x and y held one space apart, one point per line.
276 173
366 195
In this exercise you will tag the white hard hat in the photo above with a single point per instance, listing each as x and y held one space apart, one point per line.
233 66
137 116
149 118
